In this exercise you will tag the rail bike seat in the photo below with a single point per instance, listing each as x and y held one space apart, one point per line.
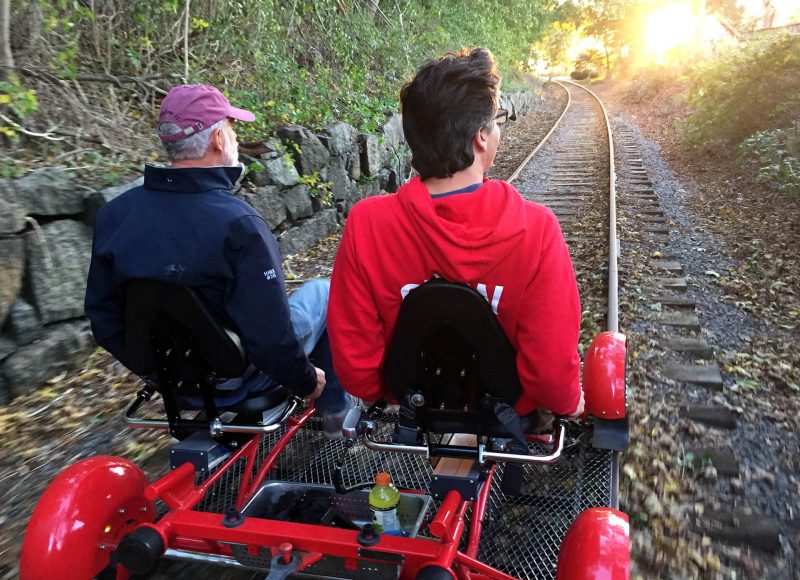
179 347
450 365
453 372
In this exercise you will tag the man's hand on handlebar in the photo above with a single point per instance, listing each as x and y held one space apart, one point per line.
320 385
579 410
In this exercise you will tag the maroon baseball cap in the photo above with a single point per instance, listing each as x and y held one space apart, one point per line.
197 107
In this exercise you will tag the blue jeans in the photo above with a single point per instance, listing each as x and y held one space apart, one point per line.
308 308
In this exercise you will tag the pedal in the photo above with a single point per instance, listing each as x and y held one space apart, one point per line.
200 450
350 425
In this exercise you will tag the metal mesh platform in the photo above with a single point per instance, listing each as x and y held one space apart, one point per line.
521 534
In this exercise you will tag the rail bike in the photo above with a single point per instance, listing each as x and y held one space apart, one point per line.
485 493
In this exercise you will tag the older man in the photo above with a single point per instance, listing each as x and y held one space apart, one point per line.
185 226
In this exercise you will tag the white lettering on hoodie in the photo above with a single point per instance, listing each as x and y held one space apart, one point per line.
493 300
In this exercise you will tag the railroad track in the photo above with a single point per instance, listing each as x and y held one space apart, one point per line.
571 171
581 170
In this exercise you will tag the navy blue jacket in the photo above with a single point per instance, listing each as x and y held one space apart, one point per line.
185 226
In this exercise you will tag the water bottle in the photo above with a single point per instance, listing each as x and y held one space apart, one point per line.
383 500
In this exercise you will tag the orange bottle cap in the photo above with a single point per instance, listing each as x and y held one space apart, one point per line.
383 478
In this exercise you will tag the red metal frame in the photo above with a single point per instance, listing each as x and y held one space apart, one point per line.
97 490
201 532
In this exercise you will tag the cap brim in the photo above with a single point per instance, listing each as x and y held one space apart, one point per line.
241 115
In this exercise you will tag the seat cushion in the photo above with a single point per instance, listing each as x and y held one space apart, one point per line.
254 403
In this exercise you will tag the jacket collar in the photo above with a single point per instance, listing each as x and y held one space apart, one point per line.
191 179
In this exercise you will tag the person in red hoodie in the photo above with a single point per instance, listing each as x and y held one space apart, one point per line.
450 221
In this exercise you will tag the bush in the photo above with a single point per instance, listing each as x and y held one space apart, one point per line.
754 86
579 75
776 156
304 62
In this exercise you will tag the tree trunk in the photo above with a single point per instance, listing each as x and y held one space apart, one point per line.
372 8
6 58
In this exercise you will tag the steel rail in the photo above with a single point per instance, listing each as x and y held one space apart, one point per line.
612 316
613 244
544 139
612 321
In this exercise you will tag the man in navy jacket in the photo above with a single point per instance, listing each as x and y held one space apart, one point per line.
185 226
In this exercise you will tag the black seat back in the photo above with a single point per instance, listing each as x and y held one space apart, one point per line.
171 321
449 352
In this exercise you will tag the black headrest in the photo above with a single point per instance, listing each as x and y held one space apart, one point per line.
465 314
149 302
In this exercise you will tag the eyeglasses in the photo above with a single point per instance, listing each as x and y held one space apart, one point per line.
501 117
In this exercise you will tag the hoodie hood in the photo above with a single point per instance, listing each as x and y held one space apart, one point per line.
467 233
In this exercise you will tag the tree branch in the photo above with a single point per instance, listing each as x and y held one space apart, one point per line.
46 135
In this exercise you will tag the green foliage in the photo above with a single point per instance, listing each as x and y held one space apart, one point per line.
604 20
552 48
317 188
18 100
751 87
776 156
307 62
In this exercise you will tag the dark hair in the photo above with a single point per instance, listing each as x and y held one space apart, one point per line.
443 106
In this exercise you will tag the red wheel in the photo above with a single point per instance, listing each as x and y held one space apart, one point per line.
81 517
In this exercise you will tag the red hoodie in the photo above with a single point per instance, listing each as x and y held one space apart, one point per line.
509 249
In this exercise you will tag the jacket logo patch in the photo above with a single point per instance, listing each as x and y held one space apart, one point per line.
174 270
270 274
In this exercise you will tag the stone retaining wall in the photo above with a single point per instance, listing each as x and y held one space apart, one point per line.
46 221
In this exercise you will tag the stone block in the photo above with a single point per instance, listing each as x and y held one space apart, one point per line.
383 179
47 192
64 346
7 347
338 176
12 217
94 200
370 189
671 300
58 262
24 322
298 202
370 154
341 138
353 163
268 202
280 172
669 266
12 269
5 397
393 131
308 232
313 154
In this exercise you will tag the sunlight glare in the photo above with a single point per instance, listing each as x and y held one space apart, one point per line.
668 27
